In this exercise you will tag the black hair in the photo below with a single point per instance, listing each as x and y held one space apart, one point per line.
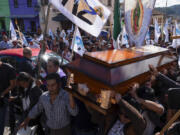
146 93
54 76
54 60
23 76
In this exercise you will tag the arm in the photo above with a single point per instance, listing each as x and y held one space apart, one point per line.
168 81
137 120
71 105
36 110
135 117
12 85
150 105
163 78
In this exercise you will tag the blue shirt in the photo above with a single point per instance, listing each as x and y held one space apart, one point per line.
57 113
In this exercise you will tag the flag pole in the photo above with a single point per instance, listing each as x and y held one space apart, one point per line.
43 48
20 33
76 27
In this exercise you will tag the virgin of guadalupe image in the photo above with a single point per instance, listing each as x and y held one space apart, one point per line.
137 17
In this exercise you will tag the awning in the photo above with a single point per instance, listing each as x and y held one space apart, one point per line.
23 16
60 17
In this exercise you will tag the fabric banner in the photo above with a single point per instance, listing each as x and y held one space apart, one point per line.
51 33
77 44
166 32
89 15
117 24
13 32
124 40
137 19
157 31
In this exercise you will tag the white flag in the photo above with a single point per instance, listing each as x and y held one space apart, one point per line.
148 38
89 15
70 30
177 30
63 34
156 31
24 41
166 32
51 33
77 45
124 40
40 37
13 32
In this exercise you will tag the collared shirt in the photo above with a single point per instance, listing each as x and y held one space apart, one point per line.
57 113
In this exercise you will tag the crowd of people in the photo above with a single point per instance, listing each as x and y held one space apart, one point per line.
43 101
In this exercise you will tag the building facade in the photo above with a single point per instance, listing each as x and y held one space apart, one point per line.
25 13
4 15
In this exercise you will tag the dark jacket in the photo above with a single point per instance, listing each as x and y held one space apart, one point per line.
34 93
167 81
27 66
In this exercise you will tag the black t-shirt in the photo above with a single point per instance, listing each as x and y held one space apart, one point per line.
27 66
7 73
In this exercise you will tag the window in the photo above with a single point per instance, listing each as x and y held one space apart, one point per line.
44 2
109 2
29 3
20 23
33 26
15 3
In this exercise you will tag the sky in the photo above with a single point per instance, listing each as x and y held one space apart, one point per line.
162 3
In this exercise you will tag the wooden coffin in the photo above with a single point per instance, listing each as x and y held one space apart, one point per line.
117 69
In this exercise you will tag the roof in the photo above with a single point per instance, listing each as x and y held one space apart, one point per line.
60 17
19 52
156 12
23 16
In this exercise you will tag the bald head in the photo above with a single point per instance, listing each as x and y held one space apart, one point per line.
27 52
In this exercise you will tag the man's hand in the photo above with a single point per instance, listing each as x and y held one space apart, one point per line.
11 99
133 89
153 70
118 97
24 123
39 82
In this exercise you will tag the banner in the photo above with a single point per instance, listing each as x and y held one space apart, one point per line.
77 44
13 32
157 31
137 19
166 32
124 40
89 15
177 29
51 34
117 24
24 41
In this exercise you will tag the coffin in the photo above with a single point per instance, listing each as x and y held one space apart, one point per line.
117 69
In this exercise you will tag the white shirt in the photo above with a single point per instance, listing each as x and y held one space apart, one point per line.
34 45
26 100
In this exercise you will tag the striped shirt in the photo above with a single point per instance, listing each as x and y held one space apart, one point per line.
58 113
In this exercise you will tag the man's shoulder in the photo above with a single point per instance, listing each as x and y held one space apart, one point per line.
64 93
